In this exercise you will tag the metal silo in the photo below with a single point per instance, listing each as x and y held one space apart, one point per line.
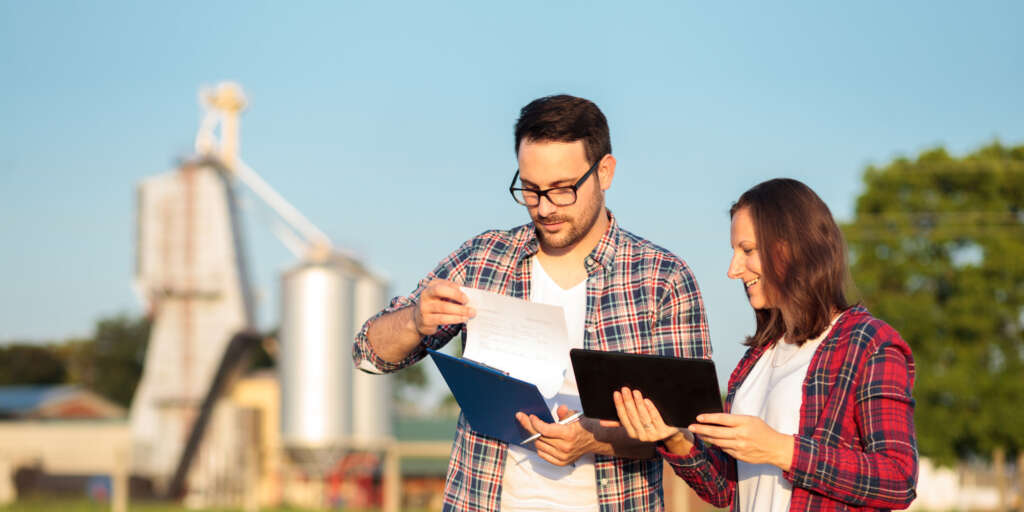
315 362
371 394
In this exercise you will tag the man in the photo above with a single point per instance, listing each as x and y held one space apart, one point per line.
620 292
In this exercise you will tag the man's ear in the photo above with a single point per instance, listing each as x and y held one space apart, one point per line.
606 171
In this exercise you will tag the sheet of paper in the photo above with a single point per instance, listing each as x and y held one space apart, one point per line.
527 340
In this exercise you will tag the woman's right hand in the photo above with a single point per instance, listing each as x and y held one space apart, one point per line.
642 421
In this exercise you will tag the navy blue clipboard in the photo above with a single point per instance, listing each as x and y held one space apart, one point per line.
489 398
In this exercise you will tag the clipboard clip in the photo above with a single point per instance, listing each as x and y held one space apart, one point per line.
489 367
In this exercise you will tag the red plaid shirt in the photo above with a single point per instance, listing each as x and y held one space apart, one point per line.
855 448
640 298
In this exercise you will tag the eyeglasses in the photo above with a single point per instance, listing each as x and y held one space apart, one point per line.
559 196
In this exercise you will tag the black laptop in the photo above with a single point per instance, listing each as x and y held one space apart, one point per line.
680 388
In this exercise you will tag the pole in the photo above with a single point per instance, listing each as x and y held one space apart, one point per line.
8 492
999 463
677 497
119 481
1020 480
392 480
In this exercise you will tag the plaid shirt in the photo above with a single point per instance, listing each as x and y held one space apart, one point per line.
640 298
855 447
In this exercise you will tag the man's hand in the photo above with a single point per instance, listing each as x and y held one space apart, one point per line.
560 445
394 335
746 438
440 303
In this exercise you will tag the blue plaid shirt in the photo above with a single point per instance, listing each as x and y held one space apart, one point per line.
640 299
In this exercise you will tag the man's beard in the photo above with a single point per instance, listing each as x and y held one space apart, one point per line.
577 230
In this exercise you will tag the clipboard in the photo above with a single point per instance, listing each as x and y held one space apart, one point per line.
680 388
489 398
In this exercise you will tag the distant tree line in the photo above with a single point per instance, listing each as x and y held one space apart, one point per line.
109 362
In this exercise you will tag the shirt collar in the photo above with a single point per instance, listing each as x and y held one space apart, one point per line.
604 252
601 257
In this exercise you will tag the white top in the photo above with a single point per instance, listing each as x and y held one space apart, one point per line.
773 391
531 483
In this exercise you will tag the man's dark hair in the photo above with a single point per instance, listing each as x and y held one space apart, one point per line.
564 118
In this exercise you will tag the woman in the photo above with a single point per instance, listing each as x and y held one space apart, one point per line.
819 414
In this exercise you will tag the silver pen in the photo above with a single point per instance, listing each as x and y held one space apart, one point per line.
574 417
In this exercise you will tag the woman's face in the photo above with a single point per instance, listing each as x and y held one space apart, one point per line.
746 260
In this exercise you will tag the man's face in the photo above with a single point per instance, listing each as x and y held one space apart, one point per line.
546 164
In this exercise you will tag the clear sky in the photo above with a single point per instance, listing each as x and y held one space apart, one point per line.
389 124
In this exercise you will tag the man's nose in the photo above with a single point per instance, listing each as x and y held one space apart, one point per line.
545 207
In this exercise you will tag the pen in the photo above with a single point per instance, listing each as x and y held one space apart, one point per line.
566 421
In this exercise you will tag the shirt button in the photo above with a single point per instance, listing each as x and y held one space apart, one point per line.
591 328
604 482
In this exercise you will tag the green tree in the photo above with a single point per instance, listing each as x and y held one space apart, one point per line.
24 365
937 250
110 363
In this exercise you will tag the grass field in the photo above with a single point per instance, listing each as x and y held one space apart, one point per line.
82 505
56 505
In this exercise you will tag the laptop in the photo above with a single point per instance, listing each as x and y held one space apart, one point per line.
680 388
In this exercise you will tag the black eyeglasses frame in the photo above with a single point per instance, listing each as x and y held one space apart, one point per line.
512 189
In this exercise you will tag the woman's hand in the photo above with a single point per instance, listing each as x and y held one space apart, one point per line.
642 421
746 438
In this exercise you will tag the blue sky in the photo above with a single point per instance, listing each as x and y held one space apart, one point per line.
389 124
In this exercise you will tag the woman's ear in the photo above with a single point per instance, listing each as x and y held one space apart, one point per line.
781 256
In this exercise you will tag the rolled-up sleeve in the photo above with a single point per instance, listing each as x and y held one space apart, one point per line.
367 359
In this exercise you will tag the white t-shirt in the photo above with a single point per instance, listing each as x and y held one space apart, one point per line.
531 483
773 391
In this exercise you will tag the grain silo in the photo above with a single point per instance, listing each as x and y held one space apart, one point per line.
371 394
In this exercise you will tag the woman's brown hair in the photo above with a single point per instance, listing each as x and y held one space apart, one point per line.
803 260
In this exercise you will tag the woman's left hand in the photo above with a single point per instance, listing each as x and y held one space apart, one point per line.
745 438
